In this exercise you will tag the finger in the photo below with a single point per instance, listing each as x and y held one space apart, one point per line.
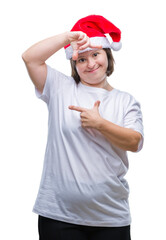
83 44
81 35
83 115
91 45
75 55
88 44
97 104
95 46
83 40
78 109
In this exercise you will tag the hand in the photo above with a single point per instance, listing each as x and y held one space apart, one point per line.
89 117
80 41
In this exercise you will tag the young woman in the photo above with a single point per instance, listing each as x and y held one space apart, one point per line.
83 194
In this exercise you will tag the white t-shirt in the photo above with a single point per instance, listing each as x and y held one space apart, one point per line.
83 174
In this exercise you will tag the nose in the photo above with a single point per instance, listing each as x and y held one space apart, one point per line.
91 62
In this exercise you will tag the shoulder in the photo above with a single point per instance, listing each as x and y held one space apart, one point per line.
127 100
54 73
124 96
58 80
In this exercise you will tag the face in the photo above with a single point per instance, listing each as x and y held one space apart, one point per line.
91 66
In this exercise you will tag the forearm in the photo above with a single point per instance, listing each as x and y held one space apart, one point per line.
124 138
42 50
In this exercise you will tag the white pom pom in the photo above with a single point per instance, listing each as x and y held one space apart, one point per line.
116 46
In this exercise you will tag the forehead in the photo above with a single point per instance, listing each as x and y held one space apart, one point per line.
89 52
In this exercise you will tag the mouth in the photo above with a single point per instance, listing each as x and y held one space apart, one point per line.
93 70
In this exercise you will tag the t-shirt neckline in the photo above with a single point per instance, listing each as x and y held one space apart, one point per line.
94 89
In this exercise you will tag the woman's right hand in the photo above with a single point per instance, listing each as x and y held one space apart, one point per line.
79 41
36 55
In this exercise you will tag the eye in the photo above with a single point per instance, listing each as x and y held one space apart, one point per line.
81 60
95 54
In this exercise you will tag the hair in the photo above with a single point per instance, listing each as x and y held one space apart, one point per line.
109 71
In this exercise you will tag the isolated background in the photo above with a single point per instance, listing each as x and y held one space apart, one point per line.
140 70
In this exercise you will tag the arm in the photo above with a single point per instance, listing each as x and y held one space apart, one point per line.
124 138
36 55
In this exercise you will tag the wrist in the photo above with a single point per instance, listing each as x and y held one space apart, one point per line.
100 123
66 38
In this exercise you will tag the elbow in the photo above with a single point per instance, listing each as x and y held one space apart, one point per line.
24 57
27 57
134 148
134 145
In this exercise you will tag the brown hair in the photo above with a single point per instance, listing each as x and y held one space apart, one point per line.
109 71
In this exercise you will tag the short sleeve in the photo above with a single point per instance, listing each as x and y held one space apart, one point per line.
53 81
133 117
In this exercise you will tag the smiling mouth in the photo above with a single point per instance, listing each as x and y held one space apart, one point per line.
93 70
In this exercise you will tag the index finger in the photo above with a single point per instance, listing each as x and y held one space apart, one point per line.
86 42
78 109
91 45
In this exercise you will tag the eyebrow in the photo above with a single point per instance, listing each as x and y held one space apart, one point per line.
82 56
92 51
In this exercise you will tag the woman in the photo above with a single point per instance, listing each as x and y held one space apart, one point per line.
83 194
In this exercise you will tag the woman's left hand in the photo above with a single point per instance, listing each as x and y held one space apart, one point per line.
124 138
90 118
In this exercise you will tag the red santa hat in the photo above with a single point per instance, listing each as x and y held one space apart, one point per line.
96 26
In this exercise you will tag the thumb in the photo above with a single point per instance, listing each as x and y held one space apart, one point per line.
96 105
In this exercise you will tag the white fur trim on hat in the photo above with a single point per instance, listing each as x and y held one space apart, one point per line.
116 46
103 41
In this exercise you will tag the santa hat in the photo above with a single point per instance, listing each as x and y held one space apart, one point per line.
96 26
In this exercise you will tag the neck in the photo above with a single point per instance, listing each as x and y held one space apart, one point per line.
104 84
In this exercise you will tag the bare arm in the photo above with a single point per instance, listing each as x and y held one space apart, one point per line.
124 138
36 56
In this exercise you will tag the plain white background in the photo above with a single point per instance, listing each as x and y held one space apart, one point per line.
140 70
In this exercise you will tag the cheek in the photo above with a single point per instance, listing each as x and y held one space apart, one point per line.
79 70
106 67
105 63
